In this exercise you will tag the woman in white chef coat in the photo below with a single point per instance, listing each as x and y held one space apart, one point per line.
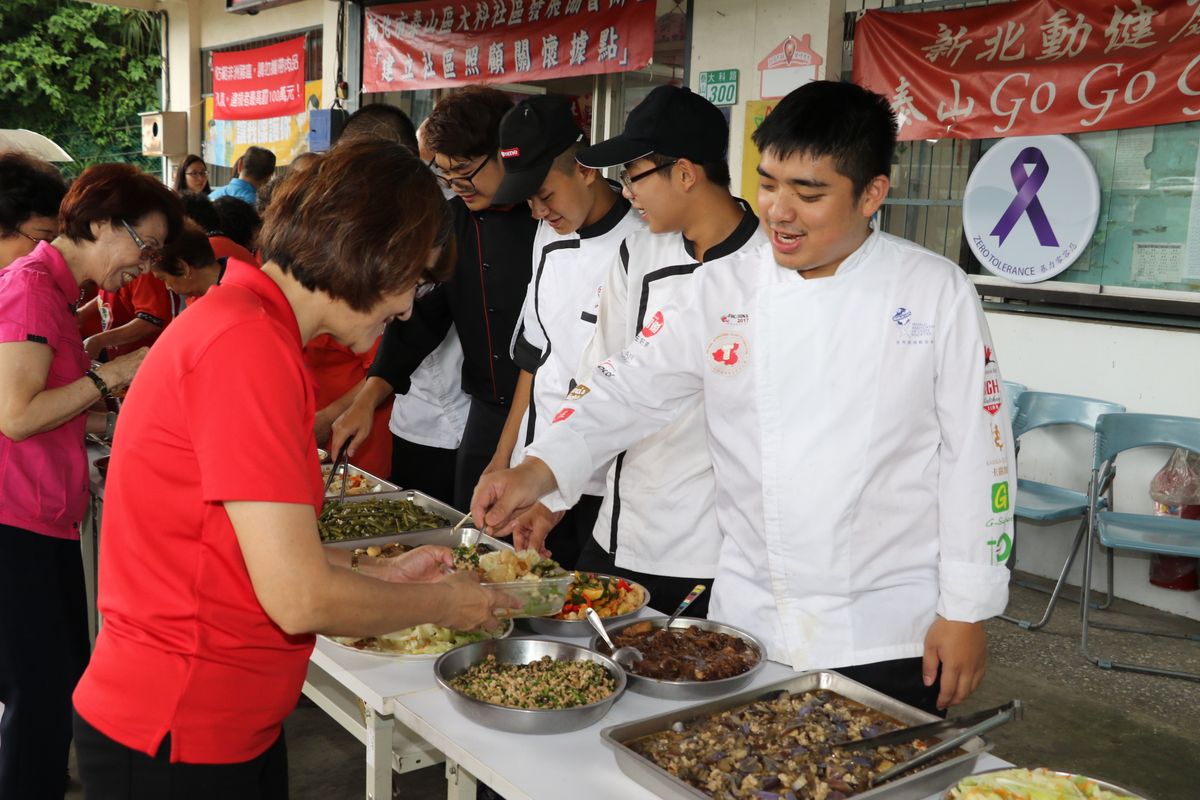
853 413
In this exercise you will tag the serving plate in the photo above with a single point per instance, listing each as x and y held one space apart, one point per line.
549 626
344 642
688 690
523 651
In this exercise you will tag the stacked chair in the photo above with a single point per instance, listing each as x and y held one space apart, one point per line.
1049 503
1145 533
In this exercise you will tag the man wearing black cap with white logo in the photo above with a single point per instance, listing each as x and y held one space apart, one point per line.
583 220
657 524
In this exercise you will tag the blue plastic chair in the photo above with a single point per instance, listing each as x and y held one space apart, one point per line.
1045 502
1012 392
1145 533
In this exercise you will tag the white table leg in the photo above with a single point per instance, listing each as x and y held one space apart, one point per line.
460 784
379 755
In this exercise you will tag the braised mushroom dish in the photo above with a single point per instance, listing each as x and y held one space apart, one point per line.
778 748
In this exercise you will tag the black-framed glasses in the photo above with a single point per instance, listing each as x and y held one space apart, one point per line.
464 184
151 255
628 180
197 172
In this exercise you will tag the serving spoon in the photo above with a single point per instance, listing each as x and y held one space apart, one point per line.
625 656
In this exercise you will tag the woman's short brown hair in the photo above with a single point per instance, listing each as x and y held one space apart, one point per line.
359 223
467 123
190 247
112 192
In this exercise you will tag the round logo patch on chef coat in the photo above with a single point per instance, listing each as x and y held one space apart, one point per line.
727 353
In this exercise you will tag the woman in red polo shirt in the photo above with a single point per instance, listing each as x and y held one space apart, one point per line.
113 222
212 575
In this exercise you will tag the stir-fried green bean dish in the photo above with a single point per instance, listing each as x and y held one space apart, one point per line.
341 521
542 684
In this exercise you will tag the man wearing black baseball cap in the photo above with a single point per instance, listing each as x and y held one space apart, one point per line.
676 177
582 221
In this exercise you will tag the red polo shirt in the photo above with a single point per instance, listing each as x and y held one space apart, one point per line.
222 410
337 369
146 298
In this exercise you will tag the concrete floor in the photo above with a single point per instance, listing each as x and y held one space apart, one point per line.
1139 731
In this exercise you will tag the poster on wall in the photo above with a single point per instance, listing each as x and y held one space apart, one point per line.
789 66
427 45
756 112
261 83
1030 67
1030 207
287 137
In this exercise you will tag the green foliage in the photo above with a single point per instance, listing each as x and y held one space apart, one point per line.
80 73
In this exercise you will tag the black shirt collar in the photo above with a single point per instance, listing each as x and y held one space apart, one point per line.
609 221
732 243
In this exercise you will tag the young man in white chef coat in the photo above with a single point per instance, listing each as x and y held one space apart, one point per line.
582 220
657 524
852 403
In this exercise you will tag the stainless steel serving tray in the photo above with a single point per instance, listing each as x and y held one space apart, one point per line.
442 536
687 690
383 485
420 499
930 781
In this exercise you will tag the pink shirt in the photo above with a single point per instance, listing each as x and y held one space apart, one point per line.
43 480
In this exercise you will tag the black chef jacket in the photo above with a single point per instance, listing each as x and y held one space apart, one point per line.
482 300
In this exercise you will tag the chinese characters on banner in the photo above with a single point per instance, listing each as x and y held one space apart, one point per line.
1034 66
432 44
261 83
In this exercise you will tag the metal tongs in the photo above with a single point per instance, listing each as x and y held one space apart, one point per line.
342 462
970 725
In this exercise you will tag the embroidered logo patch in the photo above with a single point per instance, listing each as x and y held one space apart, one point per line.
993 399
512 152
735 319
654 325
727 353
578 392
999 497
902 317
563 413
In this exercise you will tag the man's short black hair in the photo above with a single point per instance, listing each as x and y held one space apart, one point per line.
239 220
853 126
198 208
28 186
381 121
258 163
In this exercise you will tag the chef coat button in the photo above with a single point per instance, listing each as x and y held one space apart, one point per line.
503 401
486 266
491 310
495 356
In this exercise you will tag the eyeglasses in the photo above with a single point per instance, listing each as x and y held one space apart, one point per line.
34 239
464 184
628 180
151 255
197 172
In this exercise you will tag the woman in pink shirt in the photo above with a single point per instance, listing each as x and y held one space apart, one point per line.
114 221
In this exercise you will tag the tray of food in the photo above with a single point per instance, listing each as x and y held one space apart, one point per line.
530 685
377 546
538 584
614 599
418 643
694 659
366 516
1035 784
777 741
358 482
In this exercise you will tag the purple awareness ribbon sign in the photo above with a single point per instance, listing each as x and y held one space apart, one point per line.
1026 201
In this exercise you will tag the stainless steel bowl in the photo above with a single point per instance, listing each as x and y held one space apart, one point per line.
1105 785
688 690
523 651
550 626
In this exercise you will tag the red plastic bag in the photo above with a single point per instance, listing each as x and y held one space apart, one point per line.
1176 491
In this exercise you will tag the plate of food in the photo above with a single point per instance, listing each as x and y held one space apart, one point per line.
1035 784
530 685
418 643
614 599
694 658
538 584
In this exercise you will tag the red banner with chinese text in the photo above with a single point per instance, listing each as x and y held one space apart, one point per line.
261 83
1033 66
432 44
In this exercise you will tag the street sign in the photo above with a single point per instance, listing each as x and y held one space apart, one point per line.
719 86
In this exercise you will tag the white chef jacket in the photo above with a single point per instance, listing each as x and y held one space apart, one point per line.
657 516
559 314
434 411
865 473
